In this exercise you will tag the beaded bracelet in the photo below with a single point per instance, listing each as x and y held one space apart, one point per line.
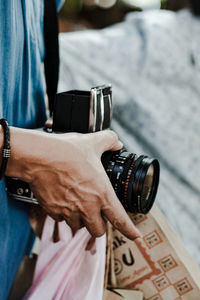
6 146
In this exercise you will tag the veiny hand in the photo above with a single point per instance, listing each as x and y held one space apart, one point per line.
68 179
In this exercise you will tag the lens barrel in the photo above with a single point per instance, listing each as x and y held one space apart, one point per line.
134 179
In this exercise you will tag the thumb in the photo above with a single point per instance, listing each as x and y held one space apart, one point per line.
106 140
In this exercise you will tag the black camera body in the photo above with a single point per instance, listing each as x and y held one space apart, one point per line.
83 111
134 179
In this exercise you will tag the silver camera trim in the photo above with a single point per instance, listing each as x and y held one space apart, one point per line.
31 199
97 93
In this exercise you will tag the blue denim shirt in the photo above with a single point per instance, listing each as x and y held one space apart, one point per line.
22 103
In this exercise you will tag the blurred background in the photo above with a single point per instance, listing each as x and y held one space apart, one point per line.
87 14
152 60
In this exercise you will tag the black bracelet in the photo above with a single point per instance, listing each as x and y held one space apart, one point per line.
6 146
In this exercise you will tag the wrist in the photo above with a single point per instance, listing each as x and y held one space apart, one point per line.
5 153
28 153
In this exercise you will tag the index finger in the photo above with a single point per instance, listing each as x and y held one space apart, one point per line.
116 214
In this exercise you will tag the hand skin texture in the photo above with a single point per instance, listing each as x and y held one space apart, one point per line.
66 175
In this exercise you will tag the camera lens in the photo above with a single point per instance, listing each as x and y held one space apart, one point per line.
147 185
134 179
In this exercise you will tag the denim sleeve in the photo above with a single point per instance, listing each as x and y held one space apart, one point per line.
60 4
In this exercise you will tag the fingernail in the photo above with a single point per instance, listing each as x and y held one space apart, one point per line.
137 234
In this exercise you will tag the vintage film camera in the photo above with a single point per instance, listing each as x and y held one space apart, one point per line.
134 179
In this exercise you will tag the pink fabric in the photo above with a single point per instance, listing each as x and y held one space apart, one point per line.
65 270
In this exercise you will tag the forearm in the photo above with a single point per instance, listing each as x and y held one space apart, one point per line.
27 151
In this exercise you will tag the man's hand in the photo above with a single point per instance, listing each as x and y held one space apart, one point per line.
68 179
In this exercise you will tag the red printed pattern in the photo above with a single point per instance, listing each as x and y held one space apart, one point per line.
154 269
155 297
183 286
161 282
139 218
167 263
152 239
